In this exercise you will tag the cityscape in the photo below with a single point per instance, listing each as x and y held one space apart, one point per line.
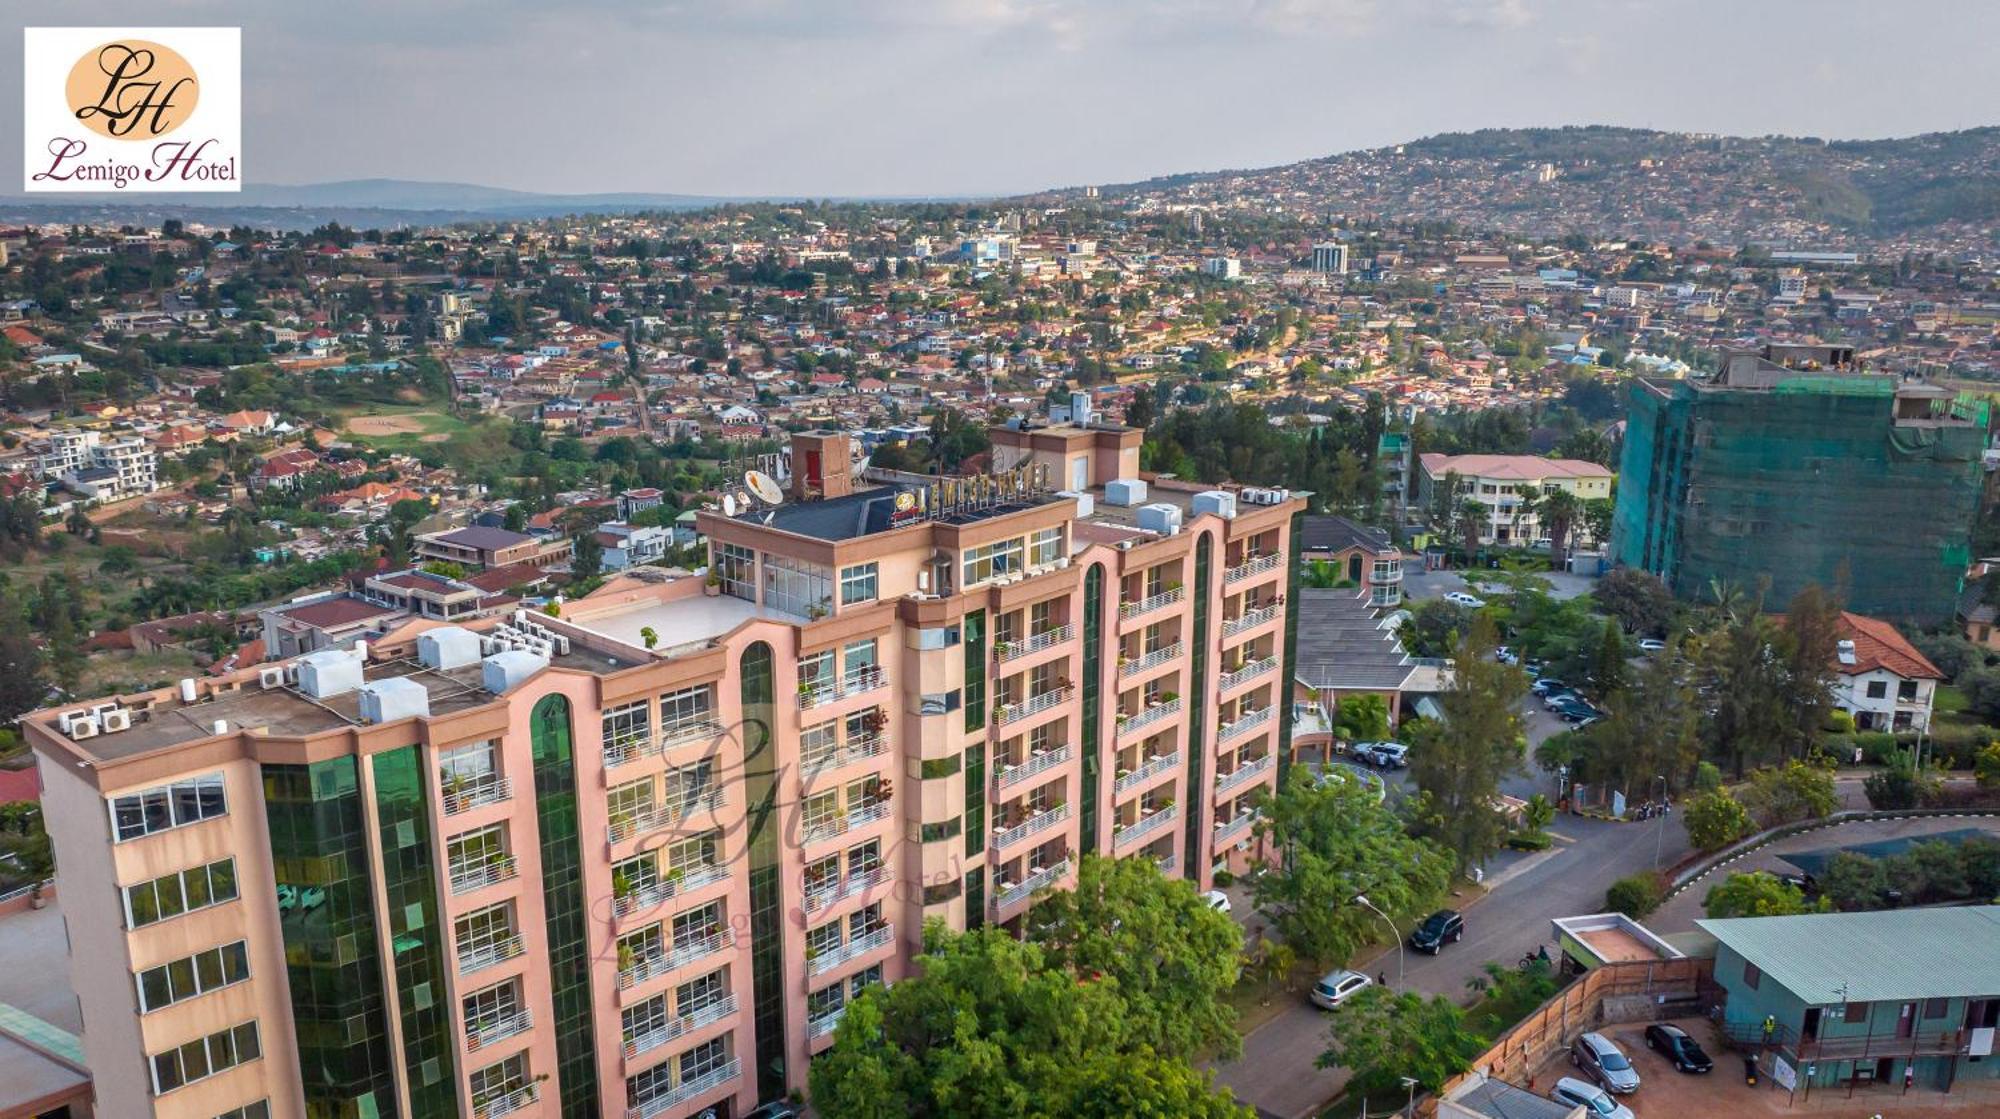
1501 623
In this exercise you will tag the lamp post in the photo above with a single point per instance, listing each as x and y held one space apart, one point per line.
1660 832
1362 900
1410 1108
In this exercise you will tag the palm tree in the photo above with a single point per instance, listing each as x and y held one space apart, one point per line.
1559 510
1471 519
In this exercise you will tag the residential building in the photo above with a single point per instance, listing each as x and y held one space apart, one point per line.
1346 648
331 620
631 545
1783 466
1330 256
1223 267
479 548
99 468
1508 486
1866 998
1880 678
1359 555
635 860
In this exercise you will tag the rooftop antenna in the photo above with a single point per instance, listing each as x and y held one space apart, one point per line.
729 505
763 487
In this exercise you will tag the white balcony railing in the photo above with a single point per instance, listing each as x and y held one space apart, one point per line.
1251 619
1033 705
667 959
1243 775
1040 822
664 816
632 747
678 881
629 748
1244 722
504 1103
1150 716
1146 825
1167 864
1148 605
1151 660
480 1034
1148 770
654 1106
1250 567
464 795
855 750
1228 831
840 823
825 1024
1047 639
464 880
852 950
855 683
688 1021
1037 763
1248 672
486 955
857 882
1037 879
1386 573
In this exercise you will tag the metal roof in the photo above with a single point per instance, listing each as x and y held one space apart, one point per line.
1343 645
1892 955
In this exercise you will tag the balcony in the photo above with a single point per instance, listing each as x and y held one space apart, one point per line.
504 1103
630 748
1250 619
856 882
1248 672
1229 831
1244 722
1041 822
1147 771
843 822
677 881
664 816
465 795
487 955
1151 660
1033 705
1145 826
824 1025
1047 639
464 880
1149 716
1385 596
660 963
480 1034
654 1106
1252 567
860 946
856 683
855 751
1148 605
1386 573
1167 864
689 1021
1026 887
1243 775
1012 775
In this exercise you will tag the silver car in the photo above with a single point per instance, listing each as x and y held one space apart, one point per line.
1336 987
1595 1102
1605 1063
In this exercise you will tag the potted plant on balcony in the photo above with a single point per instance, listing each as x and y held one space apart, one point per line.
1121 718
675 875
621 886
712 585
1169 697
1002 648
503 865
626 958
649 635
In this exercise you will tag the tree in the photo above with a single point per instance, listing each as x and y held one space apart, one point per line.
1559 510
1650 729
1986 766
1383 1036
1715 820
1853 881
1538 814
1746 677
1173 957
1791 792
986 1028
1361 718
1634 895
1607 667
1813 629
1900 785
1337 840
1758 894
23 687
589 557
1459 759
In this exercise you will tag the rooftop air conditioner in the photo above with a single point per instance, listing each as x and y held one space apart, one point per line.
116 720
83 727
272 677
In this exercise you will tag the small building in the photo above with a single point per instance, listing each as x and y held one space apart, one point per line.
481 548
1508 486
1880 678
1363 556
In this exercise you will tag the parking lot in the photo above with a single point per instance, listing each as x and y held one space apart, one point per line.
1666 1094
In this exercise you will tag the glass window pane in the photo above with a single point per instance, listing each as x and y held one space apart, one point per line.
159 816
131 817
248 1048
208 969
235 962
180 979
167 1070
194 884
154 991
143 903
212 801
194 1060
169 889
222 880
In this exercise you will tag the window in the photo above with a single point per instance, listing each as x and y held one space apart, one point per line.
816 671
944 829
934 768
819 743
695 852
639 871
259 1110
643 946
483 929
198 974
704 1059
858 583
863 921
1752 975
1855 1012
862 980
205 1057
1906 689
699 994
629 724
475 857
826 938
631 801
1936 1008
796 587
823 1002
857 660
1044 546
689 705
499 1079
174 894
471 765
736 567
698 925
488 1008
169 806
690 787
646 1018
988 560
1878 689
864 857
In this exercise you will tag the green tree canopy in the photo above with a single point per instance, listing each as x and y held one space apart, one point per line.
1757 894
1383 1036
1458 760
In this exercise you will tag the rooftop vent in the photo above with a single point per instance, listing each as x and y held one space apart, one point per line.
1125 492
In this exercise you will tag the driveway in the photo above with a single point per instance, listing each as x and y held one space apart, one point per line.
1419 584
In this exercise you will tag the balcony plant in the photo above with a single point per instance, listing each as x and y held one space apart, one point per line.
712 585
626 957
621 885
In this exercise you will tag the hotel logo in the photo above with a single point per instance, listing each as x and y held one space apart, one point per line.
135 110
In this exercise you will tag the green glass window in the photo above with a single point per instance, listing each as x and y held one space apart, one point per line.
975 798
562 895
974 632
934 768
943 829
402 812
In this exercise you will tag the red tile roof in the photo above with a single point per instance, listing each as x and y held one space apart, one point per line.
1877 644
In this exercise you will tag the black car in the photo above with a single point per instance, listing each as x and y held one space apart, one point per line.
1439 929
1678 1047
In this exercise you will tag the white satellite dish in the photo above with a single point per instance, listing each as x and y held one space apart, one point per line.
729 505
764 487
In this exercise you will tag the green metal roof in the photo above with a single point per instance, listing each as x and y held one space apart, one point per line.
1893 955
40 1034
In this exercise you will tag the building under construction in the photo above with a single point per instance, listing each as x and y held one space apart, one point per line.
1796 464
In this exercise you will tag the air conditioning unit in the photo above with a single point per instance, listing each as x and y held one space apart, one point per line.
67 718
562 645
100 710
273 677
116 720
83 727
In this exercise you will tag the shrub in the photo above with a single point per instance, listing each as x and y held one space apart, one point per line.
1877 747
1900 786
1758 894
1635 895
1707 778
1839 722
1986 767
1224 879
1791 792
1715 820
1530 841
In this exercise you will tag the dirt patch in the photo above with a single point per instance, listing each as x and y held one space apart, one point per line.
385 425
434 437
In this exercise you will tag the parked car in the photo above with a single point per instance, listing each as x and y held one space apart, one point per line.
1336 987
1674 1042
1217 900
1545 684
1595 1102
779 1110
1556 698
1578 712
1802 882
1506 655
1384 755
1601 1059
1651 645
1444 927
1469 601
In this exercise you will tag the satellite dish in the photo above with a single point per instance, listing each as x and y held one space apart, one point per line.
729 505
764 487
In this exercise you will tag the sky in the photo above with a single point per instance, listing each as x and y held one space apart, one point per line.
901 98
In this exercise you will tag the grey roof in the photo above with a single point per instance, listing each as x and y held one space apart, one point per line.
1892 955
1330 533
1501 1100
484 539
1343 645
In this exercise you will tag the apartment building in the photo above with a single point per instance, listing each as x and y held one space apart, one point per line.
1508 485
635 859
480 549
100 468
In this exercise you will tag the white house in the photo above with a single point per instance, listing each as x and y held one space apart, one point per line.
1880 678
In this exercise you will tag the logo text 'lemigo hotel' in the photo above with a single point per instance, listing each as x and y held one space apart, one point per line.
134 109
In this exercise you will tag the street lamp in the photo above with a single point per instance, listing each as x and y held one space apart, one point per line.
1660 832
1410 1108
1362 900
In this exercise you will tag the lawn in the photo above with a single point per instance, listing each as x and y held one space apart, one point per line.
399 428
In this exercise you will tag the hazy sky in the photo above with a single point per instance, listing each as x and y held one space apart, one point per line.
910 97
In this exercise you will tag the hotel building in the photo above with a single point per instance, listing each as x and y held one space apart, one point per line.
632 859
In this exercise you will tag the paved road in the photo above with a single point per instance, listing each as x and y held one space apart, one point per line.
1420 584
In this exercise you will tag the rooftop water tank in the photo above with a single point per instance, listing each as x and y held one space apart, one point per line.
447 647
1086 505
1160 517
503 672
1222 503
1124 491
329 672
398 697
